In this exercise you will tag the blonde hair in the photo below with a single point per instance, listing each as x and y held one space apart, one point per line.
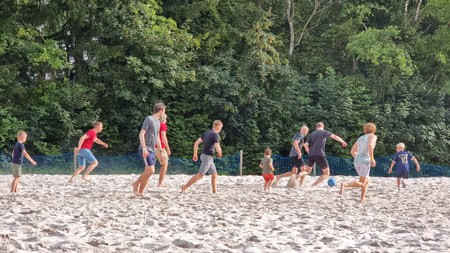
98 123
217 123
21 133
319 125
370 128
267 151
401 146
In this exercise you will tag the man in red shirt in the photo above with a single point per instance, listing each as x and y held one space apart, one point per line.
163 153
83 151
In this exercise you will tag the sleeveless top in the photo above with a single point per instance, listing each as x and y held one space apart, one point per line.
362 156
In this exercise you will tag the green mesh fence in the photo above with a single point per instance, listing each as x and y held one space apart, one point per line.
344 167
125 164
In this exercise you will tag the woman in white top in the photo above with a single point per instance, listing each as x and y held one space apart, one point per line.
362 151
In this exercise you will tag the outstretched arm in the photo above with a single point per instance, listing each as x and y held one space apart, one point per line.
195 156
339 139
25 153
98 141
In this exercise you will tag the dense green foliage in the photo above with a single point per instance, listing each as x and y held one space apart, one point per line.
263 67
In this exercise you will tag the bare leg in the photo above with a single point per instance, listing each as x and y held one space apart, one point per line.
14 184
76 173
287 174
162 174
89 170
364 189
192 181
398 183
214 182
323 177
305 171
143 179
269 184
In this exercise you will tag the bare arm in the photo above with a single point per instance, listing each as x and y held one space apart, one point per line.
98 141
195 156
25 153
417 163
354 150
142 141
306 146
271 167
339 139
80 142
297 148
372 142
260 165
165 141
218 149
390 168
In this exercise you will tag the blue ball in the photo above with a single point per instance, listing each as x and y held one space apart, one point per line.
331 182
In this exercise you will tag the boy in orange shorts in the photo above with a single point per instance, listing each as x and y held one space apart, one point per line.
266 165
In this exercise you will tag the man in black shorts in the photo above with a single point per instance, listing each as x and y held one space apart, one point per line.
315 146
296 154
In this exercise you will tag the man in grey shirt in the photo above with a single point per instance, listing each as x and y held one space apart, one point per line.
149 138
315 146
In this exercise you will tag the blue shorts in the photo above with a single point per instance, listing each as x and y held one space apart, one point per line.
85 155
403 173
150 160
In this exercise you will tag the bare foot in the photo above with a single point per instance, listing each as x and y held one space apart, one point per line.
342 189
135 188
161 185
87 179
70 181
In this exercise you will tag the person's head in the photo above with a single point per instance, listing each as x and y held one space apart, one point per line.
217 125
400 146
22 136
304 130
98 127
370 128
159 109
320 125
267 152
163 118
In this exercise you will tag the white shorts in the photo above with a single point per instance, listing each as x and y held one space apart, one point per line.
362 169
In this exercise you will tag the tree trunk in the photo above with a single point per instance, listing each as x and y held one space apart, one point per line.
290 14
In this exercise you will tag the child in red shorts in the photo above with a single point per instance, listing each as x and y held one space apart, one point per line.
266 165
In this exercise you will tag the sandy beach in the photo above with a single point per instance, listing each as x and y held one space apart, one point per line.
49 215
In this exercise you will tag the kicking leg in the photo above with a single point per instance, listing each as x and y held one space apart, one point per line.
323 177
192 181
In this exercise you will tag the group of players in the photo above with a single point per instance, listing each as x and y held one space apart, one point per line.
362 152
154 145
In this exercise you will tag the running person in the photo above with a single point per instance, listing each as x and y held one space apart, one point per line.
315 146
211 142
295 155
362 151
148 138
402 158
83 151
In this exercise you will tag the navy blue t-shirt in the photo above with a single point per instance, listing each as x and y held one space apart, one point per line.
18 153
402 160
209 139
317 141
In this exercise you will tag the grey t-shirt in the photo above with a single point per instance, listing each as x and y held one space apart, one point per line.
210 138
301 139
265 165
317 141
151 126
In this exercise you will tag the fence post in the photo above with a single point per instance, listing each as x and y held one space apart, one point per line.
241 161
74 160
314 169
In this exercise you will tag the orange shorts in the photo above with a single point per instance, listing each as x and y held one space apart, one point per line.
268 177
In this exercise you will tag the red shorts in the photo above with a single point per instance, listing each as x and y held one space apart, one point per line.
268 177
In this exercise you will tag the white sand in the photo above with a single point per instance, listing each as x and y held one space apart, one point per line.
49 215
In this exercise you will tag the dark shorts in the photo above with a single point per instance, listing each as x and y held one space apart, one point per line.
320 160
297 163
402 173
268 177
150 160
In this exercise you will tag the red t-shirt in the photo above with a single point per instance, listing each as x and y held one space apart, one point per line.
87 143
162 127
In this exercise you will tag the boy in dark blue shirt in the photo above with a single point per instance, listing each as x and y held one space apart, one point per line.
402 158
17 159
